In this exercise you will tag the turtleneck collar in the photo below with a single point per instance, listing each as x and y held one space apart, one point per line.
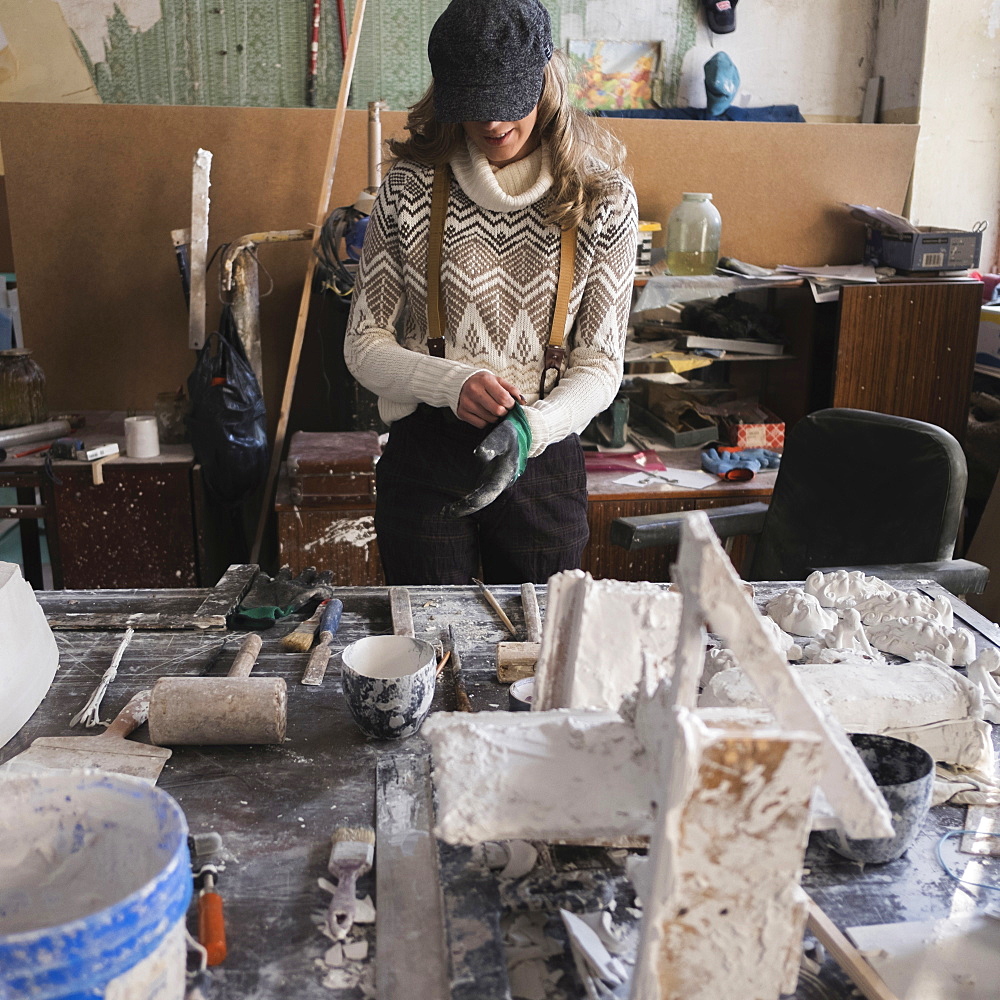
509 188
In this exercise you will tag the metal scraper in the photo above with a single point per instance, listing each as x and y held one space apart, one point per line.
110 751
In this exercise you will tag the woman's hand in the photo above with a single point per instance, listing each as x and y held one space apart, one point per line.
485 398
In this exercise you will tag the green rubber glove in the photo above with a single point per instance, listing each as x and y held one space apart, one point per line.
504 454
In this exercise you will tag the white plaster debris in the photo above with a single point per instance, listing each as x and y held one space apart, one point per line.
364 911
334 957
844 589
522 857
600 637
799 613
356 531
356 951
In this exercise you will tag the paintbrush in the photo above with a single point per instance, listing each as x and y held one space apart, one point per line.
329 623
351 856
301 639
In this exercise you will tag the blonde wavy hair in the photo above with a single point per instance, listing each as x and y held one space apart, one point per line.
584 155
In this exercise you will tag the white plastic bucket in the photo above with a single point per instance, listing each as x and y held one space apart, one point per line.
95 882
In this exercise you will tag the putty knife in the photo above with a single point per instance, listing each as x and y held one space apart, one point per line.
110 751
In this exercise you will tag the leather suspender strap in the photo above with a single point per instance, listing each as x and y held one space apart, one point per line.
555 353
435 239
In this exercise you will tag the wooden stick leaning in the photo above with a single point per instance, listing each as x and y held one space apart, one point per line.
300 325
864 977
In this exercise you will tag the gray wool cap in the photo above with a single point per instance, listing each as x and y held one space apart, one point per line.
488 57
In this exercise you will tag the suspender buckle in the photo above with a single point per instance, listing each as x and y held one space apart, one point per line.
553 361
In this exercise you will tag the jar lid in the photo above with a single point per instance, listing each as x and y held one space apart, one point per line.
697 196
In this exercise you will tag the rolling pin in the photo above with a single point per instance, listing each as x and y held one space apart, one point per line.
220 710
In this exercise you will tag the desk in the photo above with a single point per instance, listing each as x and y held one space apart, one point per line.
142 528
344 540
276 807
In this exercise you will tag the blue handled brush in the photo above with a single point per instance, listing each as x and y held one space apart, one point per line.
328 625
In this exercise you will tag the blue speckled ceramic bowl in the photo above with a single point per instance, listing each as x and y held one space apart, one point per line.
389 684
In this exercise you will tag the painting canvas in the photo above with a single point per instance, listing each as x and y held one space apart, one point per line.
613 75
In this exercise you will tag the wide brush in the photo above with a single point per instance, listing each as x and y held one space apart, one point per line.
301 639
351 856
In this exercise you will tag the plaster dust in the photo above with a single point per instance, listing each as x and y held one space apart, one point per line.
62 863
533 776
29 655
356 531
600 637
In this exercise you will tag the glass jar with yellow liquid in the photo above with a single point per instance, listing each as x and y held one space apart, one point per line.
693 233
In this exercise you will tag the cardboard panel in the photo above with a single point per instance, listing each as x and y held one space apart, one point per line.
94 191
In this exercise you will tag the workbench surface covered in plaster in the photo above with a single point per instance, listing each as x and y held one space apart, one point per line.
276 807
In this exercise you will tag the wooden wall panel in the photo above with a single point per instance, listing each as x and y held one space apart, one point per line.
908 349
94 191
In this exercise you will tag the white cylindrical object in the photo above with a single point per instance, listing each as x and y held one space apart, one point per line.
142 440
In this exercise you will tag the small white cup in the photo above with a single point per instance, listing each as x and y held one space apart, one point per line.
142 440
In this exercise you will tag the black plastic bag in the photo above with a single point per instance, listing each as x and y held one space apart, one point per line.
227 424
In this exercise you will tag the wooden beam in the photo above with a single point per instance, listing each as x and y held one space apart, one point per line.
322 208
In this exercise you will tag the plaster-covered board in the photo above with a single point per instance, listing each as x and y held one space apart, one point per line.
28 653
846 782
539 776
600 637
713 890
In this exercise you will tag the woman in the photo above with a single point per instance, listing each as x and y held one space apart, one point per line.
529 191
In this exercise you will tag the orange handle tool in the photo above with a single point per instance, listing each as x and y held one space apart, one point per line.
212 926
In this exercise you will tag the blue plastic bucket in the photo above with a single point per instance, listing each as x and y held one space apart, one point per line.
95 882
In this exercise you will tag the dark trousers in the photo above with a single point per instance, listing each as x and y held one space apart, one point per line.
536 527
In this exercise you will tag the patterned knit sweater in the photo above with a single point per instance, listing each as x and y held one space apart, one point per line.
498 279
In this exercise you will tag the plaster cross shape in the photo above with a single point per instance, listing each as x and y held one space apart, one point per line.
724 804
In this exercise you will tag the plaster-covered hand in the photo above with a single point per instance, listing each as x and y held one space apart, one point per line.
485 398
728 465
504 454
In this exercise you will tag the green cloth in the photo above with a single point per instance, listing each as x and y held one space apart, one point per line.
519 420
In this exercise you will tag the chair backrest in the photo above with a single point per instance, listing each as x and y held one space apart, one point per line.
861 488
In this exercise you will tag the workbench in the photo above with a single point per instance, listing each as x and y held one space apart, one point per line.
275 807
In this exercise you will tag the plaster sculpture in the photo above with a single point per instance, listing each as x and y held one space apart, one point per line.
926 703
908 636
599 637
981 671
717 659
785 642
665 771
848 634
28 652
800 613
876 610
844 589
817 653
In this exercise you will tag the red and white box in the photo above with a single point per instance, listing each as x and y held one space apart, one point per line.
768 433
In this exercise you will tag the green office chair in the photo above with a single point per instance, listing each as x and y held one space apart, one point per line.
856 490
